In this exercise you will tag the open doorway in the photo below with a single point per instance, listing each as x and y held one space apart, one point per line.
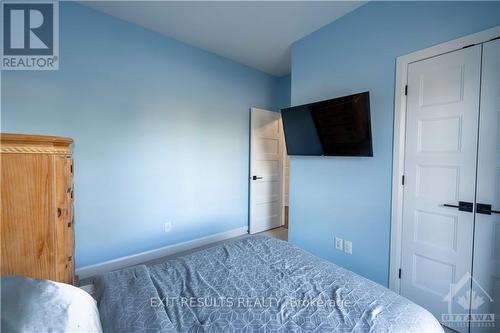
269 170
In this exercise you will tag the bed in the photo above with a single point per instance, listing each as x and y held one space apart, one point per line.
254 284
33 305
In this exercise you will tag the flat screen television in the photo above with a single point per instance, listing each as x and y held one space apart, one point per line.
335 127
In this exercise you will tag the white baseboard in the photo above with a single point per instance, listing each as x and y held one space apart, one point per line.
135 259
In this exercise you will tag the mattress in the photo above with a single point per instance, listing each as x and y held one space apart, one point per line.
254 284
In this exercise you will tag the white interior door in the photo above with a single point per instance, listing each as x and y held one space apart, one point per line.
440 168
266 168
486 287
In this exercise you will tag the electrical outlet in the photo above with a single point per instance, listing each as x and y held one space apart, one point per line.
348 247
339 243
168 226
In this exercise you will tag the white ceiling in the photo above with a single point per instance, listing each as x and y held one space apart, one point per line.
255 33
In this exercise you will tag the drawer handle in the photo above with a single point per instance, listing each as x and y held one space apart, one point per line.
485 209
463 206
69 258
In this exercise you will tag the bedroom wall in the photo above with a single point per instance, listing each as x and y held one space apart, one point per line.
284 93
160 128
346 197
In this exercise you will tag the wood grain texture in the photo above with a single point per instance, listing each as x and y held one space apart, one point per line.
27 216
36 210
34 144
35 139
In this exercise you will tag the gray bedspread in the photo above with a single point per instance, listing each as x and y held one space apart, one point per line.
254 284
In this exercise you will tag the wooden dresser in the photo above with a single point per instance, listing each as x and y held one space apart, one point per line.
37 207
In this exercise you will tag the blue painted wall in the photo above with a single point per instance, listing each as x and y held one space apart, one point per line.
284 93
348 197
161 132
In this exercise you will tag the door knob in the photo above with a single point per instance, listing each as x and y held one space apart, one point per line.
463 206
255 177
485 209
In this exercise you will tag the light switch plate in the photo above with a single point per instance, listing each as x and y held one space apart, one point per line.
348 247
339 243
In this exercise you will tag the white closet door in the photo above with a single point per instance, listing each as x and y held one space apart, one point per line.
486 285
440 168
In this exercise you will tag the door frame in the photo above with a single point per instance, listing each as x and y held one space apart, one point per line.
398 155
284 182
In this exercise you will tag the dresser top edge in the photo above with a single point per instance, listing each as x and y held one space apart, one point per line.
14 138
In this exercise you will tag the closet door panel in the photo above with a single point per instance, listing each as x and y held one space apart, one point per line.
440 168
486 271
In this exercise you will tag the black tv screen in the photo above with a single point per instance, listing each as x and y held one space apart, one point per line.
335 127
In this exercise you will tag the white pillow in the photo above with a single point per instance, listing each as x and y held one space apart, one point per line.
30 305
